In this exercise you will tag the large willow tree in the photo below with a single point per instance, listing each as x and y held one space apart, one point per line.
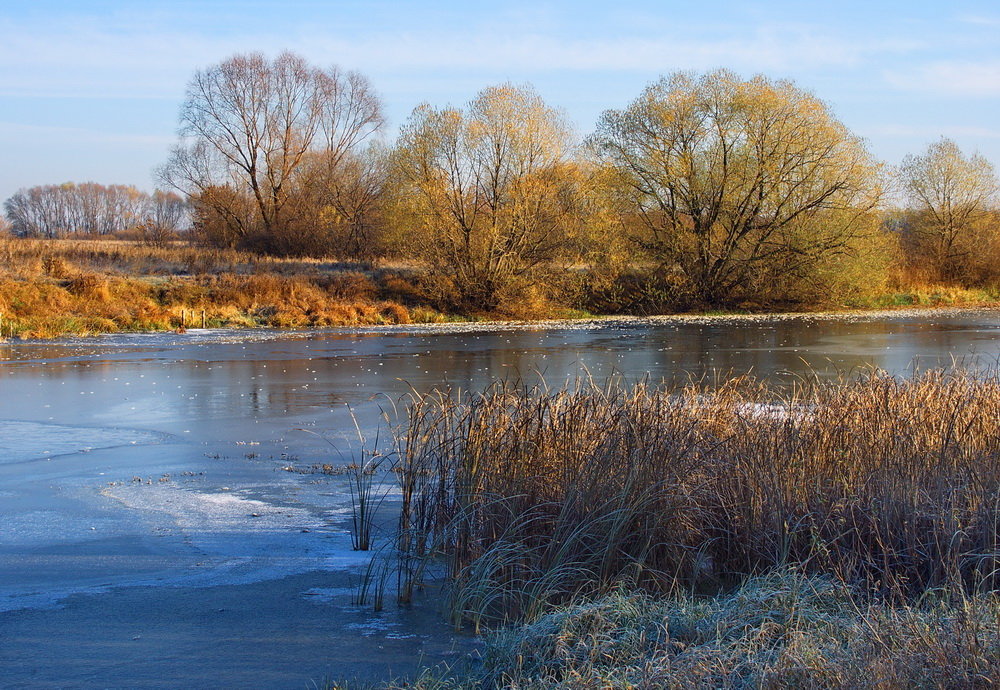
735 186
488 193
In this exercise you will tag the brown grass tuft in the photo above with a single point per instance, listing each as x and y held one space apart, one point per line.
537 495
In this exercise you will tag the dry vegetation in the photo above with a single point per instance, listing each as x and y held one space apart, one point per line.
54 287
782 630
827 535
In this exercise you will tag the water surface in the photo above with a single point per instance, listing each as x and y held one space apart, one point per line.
151 533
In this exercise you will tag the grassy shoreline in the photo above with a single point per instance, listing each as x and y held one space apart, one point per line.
51 288
89 305
783 629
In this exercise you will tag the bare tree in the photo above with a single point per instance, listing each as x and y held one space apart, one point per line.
951 227
347 197
735 185
165 216
250 124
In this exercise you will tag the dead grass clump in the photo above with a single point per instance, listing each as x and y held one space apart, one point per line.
391 312
90 286
349 287
398 287
538 495
56 266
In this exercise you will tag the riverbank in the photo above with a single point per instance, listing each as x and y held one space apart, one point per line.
90 305
52 288
706 319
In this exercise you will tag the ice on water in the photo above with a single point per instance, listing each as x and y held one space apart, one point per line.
24 441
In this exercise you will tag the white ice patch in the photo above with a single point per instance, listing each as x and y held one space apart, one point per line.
325 595
23 441
242 539
202 513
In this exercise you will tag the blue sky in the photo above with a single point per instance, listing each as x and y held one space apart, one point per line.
90 89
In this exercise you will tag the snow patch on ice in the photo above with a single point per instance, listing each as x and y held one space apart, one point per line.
242 538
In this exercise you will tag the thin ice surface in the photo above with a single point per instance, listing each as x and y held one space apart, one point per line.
21 441
165 554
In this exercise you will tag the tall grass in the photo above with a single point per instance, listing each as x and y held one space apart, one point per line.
52 287
537 496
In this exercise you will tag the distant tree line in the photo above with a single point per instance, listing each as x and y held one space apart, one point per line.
707 189
95 210
950 227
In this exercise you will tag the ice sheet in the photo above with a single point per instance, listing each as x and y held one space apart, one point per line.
23 441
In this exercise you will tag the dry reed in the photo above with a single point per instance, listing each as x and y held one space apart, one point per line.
538 496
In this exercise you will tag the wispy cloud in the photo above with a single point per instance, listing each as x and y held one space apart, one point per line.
13 131
759 49
932 132
950 77
154 61
109 76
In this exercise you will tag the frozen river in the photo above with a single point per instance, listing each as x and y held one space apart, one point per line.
152 532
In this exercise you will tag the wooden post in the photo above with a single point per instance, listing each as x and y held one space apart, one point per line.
203 319
183 318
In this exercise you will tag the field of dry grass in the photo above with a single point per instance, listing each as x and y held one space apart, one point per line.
54 287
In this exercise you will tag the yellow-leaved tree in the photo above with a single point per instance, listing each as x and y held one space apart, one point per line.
489 194
951 229
738 189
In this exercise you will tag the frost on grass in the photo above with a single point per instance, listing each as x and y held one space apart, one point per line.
781 630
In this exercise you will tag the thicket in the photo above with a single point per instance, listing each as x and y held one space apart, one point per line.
706 191
950 230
